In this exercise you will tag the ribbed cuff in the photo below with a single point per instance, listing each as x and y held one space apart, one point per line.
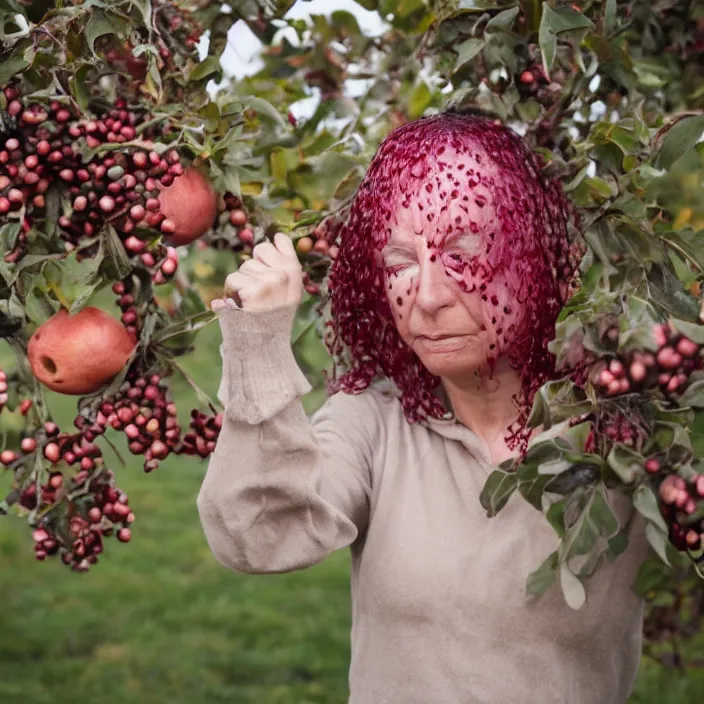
260 376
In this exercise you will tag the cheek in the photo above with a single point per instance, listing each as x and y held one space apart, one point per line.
500 315
400 290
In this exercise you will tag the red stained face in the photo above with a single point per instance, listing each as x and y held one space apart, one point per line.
447 303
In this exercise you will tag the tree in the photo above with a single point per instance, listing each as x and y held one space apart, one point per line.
107 119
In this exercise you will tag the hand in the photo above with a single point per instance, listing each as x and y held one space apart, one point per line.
270 279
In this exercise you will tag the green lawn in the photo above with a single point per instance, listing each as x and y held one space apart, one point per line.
160 621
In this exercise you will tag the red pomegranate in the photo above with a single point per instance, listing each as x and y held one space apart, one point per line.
191 204
77 354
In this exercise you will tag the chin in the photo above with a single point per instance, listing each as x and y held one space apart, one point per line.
453 365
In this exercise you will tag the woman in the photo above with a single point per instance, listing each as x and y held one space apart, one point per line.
454 263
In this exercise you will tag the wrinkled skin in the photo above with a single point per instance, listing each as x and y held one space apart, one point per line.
435 272
454 229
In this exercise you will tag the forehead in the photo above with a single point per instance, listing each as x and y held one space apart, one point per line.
446 193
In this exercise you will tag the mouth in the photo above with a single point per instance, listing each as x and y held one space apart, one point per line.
436 338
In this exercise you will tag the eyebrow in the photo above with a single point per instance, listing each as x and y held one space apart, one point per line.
462 238
403 247
467 240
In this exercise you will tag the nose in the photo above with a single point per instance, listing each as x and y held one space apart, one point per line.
434 287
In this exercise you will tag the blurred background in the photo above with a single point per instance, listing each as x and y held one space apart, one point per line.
160 620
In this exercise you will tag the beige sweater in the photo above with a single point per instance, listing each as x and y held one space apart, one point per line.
439 614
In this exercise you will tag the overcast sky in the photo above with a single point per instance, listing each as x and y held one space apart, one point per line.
241 56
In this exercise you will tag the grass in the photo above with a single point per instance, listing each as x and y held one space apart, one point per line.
160 621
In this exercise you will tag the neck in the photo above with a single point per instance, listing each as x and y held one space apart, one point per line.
485 405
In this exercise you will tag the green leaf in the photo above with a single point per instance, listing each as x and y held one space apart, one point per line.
578 475
603 515
572 588
531 485
617 545
99 25
205 69
116 264
679 139
556 516
581 537
467 50
420 99
79 88
497 491
556 21
543 578
693 395
9 68
694 331
609 16
658 541
667 292
626 463
263 108
81 301
646 504
503 21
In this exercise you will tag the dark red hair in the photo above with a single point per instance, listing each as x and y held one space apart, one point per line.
530 246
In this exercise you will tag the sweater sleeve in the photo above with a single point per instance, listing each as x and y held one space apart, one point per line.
281 492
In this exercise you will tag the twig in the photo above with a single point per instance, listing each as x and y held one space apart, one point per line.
200 393
115 450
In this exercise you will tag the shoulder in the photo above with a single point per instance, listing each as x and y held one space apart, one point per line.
370 411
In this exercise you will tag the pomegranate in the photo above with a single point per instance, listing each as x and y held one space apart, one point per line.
77 354
191 204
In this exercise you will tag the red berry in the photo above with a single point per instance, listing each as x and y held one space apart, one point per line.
638 372
52 452
652 466
169 266
7 457
668 358
661 333
95 514
107 204
28 445
687 348
238 218
124 535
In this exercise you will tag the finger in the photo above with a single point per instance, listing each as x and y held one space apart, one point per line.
234 282
266 253
284 245
253 266
217 305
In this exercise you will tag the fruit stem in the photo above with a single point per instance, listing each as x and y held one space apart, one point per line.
114 449
199 392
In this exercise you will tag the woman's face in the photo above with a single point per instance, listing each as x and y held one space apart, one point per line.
437 275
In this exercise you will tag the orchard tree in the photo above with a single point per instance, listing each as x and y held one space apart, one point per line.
119 169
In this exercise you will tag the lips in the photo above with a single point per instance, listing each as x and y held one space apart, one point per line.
436 338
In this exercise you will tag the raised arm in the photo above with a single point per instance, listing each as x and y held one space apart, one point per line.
281 491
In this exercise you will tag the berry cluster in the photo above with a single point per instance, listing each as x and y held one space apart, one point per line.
51 148
669 368
100 510
681 502
321 245
143 412
202 434
232 214
176 36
